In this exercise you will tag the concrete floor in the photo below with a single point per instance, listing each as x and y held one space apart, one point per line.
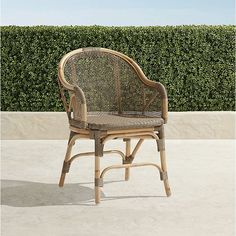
201 174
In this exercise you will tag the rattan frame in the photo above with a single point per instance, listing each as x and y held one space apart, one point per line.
102 136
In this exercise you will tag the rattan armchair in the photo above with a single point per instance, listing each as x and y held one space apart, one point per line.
107 96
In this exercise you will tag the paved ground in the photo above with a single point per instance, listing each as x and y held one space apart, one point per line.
201 175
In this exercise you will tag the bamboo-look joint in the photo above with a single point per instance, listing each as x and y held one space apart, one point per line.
126 139
99 148
98 182
98 143
128 159
161 133
72 134
163 175
66 167
161 145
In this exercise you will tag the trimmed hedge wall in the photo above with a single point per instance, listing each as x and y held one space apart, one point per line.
195 63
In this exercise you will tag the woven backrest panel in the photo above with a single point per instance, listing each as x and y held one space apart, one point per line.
110 83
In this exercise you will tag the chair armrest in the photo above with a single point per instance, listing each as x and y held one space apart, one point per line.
164 101
150 83
163 94
78 103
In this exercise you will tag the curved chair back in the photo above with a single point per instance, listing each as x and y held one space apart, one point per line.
103 80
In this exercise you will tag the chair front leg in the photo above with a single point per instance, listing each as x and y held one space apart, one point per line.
127 154
98 182
66 163
164 173
161 147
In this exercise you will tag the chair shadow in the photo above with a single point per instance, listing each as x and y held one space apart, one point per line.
32 194
17 193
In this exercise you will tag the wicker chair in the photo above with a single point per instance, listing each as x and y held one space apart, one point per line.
107 96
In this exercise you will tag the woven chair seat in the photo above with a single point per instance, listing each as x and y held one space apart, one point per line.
114 122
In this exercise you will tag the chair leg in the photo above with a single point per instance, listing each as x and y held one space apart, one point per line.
164 169
161 148
97 180
65 170
62 179
127 173
127 154
66 163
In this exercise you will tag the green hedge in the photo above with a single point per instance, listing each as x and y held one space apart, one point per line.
195 63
